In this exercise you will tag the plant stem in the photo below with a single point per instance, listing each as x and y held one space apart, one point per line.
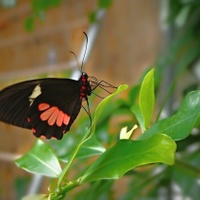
65 170
170 91
187 168
63 191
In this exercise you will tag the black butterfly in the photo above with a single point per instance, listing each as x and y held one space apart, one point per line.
47 106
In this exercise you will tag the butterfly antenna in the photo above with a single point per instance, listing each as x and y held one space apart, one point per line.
85 50
76 60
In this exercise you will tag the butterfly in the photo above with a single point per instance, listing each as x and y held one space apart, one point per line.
47 106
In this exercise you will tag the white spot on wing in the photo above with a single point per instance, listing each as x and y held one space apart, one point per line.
36 92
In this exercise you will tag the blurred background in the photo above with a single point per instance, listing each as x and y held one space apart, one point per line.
125 39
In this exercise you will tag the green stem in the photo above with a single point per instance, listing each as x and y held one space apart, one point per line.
187 168
63 191
65 170
170 91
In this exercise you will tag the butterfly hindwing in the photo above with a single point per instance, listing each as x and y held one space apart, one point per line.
47 106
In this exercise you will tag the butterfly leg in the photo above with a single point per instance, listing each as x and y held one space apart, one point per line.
87 110
102 84
106 84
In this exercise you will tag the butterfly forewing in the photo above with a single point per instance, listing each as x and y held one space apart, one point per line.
14 103
47 106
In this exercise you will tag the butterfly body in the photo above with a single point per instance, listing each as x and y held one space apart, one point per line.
46 106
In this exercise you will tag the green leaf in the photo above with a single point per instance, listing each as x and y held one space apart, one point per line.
42 5
90 148
133 94
175 8
29 23
105 103
188 57
92 16
137 112
147 98
179 125
40 160
104 3
128 154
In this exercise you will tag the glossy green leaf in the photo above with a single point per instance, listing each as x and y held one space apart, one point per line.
40 160
133 94
137 112
179 125
147 98
128 154
64 148
105 103
187 58
90 148
100 108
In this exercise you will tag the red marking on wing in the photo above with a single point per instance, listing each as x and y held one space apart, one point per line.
28 119
34 131
60 118
47 113
66 119
54 116
43 106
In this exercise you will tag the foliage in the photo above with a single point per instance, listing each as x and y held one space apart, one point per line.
117 157
102 4
99 156
40 7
